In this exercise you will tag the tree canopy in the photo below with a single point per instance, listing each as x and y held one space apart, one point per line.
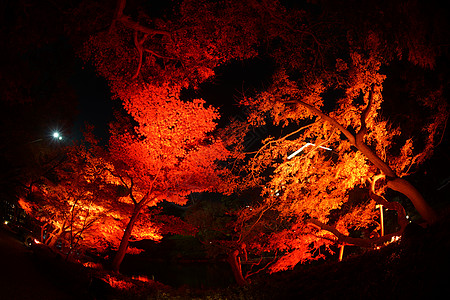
339 135
356 103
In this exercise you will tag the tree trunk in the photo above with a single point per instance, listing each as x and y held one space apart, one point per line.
233 260
117 261
400 185
407 189
55 235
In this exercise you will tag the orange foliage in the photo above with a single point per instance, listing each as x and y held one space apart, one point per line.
26 206
170 151
317 181
118 283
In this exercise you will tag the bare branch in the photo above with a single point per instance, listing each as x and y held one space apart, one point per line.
249 273
146 198
127 22
443 131
158 55
139 46
280 139
247 232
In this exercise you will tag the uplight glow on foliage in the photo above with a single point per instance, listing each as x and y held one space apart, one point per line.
329 99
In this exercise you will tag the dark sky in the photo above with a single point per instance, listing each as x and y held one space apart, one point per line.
94 101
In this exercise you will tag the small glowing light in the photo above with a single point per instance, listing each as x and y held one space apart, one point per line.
36 241
57 136
407 216
6 222
395 238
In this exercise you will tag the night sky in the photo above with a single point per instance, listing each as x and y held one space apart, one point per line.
95 105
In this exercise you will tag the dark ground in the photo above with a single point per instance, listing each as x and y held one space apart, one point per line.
25 274
416 268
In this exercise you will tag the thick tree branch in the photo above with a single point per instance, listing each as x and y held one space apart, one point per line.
401 213
127 22
355 141
131 191
329 119
347 240
366 150
376 160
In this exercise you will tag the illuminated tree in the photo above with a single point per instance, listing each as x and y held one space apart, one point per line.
339 140
167 157
71 200
83 206
170 152
327 90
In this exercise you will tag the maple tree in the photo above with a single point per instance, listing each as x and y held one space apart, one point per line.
328 85
70 200
167 157
81 206
342 140
169 152
158 58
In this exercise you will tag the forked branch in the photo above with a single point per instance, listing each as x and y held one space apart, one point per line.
119 16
